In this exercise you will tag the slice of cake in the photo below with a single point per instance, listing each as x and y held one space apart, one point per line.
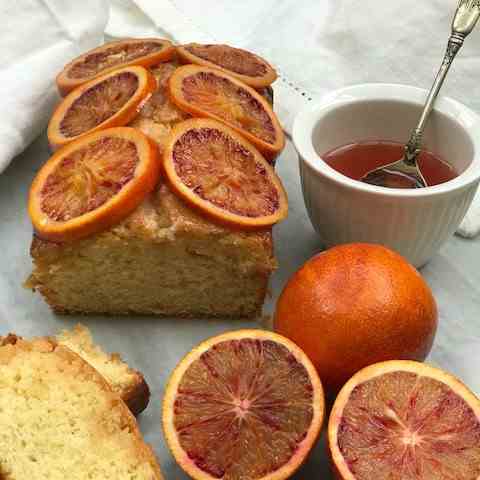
129 384
125 381
60 419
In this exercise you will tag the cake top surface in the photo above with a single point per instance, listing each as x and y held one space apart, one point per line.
162 216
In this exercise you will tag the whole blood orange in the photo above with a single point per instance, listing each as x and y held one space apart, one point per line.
355 305
404 420
244 405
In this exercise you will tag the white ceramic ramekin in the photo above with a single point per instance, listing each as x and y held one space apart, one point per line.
413 222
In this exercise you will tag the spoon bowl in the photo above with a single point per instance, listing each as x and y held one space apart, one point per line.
399 174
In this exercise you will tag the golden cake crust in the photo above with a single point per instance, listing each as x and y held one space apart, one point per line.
128 383
162 217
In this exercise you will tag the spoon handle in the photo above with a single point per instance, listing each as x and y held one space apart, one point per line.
466 17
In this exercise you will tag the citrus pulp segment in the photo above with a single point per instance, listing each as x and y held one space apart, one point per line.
218 172
404 420
113 55
245 404
246 66
208 92
93 183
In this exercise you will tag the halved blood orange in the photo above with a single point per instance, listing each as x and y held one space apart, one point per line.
404 420
111 100
244 405
246 66
219 172
113 55
207 92
93 183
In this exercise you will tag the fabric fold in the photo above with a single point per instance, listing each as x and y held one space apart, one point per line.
38 38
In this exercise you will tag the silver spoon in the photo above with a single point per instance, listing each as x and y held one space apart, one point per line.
404 173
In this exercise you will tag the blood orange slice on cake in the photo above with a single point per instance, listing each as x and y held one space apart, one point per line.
244 405
217 171
207 92
93 183
404 420
246 66
142 51
112 100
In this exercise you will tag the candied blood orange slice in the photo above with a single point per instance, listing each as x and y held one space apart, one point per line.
93 183
112 100
219 172
246 66
247 404
207 92
99 61
404 420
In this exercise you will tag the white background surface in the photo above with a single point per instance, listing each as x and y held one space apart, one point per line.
401 42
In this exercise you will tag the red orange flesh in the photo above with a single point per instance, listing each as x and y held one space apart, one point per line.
93 183
403 420
111 100
218 172
245 404
106 58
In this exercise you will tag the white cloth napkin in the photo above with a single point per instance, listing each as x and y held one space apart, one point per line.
316 46
38 37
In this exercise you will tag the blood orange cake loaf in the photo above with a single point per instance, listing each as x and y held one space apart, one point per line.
163 259
166 257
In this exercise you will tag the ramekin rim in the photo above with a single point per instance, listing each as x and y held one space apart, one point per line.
306 120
